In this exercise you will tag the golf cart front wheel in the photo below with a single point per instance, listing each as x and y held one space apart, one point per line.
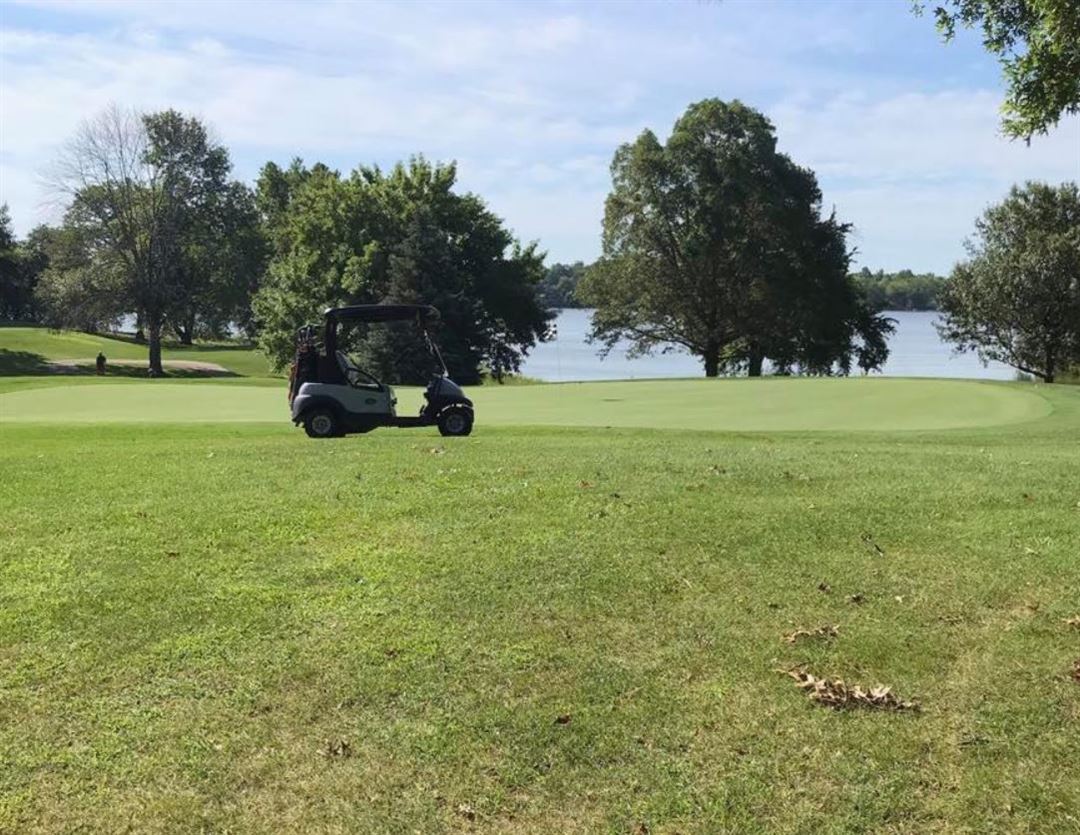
455 421
321 423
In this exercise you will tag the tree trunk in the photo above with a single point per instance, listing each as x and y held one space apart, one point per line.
186 331
711 355
155 369
757 360
1050 364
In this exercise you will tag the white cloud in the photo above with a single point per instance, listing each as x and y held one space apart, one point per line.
913 171
532 99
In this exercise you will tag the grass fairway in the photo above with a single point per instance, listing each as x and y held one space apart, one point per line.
25 350
229 627
739 405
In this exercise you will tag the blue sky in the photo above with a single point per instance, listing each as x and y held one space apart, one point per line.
532 98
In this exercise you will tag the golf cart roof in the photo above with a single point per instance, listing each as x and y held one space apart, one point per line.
381 313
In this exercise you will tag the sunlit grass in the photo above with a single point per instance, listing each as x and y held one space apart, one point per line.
26 350
233 627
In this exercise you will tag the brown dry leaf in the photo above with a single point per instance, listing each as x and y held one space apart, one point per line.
828 631
824 587
562 719
585 485
869 542
338 748
1076 671
466 811
437 450
1074 622
857 599
835 693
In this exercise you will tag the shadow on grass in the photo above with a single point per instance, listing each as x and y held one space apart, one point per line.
27 364
138 372
22 364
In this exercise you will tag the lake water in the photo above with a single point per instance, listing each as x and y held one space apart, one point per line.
916 350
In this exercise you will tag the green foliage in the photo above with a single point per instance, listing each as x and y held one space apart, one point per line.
12 292
558 289
403 236
902 290
1038 43
83 286
20 269
154 228
1017 298
714 242
219 249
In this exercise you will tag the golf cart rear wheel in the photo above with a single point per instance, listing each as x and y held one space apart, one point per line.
321 423
456 420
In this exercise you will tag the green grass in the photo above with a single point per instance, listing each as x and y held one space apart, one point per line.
229 627
25 350
772 404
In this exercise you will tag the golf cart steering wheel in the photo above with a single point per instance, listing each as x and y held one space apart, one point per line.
356 377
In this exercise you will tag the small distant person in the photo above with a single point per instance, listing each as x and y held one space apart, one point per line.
99 363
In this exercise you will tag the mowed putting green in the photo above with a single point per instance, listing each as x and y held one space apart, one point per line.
732 405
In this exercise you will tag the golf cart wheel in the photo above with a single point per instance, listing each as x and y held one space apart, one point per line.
455 421
321 423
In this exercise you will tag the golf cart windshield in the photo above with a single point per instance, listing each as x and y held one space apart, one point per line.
358 317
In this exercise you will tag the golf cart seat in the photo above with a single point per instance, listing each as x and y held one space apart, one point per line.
356 377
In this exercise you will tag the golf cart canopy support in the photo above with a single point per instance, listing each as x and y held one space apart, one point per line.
420 313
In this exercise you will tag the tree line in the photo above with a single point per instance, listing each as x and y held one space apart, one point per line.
713 242
155 227
902 290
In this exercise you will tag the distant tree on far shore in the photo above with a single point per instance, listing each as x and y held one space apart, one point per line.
1017 298
903 290
558 287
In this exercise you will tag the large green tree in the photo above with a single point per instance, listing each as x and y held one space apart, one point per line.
214 221
1038 43
151 227
399 236
13 290
714 242
1017 297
